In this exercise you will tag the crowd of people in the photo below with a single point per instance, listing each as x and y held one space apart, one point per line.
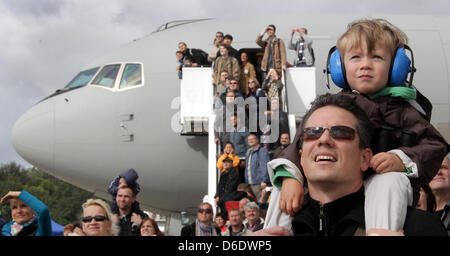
364 161
405 149
123 217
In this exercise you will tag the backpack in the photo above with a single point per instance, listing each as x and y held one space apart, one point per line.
312 55
425 104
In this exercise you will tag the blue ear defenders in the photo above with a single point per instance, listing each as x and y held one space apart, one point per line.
401 65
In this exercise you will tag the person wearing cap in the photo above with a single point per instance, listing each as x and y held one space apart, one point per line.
228 181
228 152
127 178
440 185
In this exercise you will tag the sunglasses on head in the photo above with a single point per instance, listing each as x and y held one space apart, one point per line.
336 132
97 218
204 210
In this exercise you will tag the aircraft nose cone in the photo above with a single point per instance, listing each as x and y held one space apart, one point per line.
32 135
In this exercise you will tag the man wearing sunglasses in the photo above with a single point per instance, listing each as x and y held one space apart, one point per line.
203 225
217 40
335 152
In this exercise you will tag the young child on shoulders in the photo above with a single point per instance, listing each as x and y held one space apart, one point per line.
127 178
407 149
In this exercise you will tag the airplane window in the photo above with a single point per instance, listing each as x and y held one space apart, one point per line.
132 76
82 78
107 76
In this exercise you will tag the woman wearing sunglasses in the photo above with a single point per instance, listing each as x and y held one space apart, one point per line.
30 216
203 225
97 219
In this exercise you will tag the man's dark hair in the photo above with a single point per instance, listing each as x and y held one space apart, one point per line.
228 36
364 128
227 159
274 28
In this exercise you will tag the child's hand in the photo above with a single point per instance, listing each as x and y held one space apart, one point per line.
122 183
291 197
272 231
386 162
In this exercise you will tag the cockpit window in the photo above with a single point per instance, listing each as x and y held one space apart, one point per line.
132 76
82 78
107 76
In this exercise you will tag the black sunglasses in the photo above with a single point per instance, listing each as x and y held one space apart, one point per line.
336 132
96 218
204 210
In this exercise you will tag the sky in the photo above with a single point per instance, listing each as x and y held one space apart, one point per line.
45 43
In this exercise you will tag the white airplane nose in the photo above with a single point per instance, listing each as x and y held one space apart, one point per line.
33 135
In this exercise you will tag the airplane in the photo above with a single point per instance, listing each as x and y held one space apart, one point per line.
119 111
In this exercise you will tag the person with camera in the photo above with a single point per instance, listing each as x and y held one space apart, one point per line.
302 47
407 148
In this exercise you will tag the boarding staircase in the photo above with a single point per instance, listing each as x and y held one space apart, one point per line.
197 116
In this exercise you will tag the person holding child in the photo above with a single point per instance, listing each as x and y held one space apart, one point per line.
124 206
407 148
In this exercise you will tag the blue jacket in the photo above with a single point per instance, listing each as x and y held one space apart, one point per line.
43 216
258 166
239 140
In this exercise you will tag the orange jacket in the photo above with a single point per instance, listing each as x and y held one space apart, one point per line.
222 157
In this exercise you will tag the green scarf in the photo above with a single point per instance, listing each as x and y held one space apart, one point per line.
407 93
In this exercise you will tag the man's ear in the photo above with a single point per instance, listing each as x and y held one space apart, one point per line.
366 156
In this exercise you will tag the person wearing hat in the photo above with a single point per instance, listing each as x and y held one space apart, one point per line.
228 181
127 178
